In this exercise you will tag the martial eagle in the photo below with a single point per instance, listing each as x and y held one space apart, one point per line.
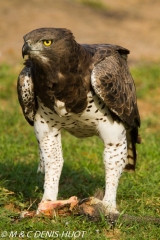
86 89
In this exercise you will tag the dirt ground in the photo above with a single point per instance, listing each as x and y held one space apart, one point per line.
134 25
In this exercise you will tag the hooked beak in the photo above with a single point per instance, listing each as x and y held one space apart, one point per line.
25 49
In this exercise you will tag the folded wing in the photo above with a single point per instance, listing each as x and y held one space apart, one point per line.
25 89
113 83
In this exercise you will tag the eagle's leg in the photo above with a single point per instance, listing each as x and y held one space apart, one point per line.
51 159
115 155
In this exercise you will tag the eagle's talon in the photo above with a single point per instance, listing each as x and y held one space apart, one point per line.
83 201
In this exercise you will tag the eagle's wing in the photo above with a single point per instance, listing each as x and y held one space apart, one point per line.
113 83
25 89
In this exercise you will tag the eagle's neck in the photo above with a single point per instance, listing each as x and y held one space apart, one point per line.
66 79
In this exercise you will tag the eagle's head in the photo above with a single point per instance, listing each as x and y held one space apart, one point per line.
47 44
57 66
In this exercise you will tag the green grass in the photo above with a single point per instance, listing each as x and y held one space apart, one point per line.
83 172
147 80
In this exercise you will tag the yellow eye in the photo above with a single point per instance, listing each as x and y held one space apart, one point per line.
47 43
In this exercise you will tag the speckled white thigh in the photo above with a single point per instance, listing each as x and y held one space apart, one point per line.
51 159
113 135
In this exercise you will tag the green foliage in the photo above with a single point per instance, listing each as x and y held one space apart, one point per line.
83 172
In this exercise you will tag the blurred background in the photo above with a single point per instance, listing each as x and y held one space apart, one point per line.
133 24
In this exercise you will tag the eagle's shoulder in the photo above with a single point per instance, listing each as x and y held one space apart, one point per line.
101 51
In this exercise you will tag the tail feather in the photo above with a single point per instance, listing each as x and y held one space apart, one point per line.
132 155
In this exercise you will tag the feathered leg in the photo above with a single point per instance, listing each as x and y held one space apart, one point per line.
51 159
115 155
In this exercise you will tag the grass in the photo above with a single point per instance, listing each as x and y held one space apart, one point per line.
147 80
20 185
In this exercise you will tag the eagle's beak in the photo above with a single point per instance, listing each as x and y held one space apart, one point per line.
25 49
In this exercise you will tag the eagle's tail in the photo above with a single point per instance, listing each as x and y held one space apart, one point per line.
131 147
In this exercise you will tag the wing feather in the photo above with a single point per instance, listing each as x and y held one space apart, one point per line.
114 84
25 89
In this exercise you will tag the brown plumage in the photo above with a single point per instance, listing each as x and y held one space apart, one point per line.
62 75
69 70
